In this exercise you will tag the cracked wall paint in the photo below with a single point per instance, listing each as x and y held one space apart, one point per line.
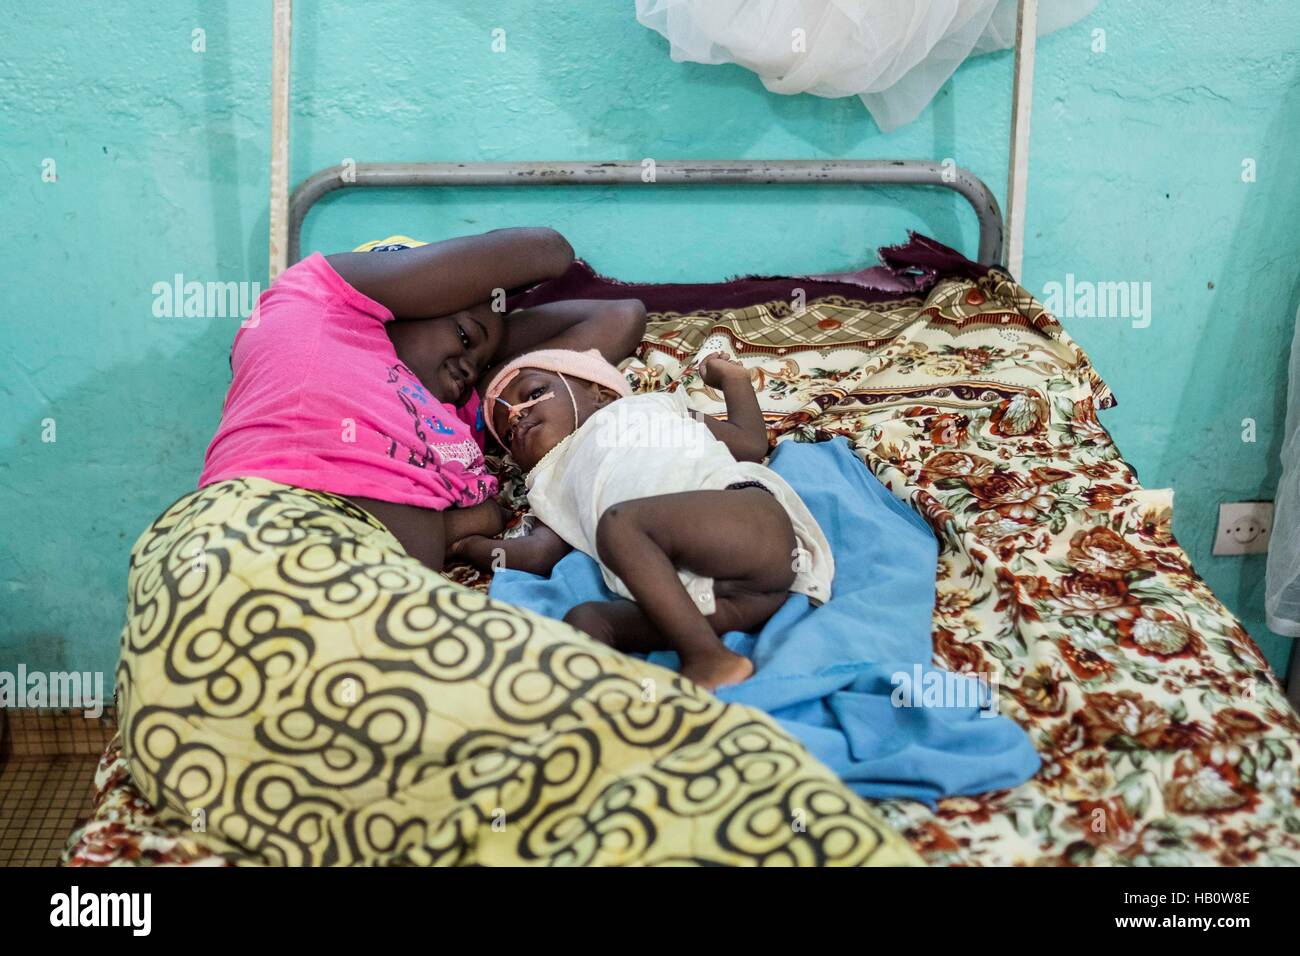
161 158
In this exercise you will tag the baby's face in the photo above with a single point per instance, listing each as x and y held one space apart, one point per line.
540 427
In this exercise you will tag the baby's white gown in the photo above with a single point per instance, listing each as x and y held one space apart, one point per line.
648 445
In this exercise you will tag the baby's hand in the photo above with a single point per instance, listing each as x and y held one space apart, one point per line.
474 549
716 370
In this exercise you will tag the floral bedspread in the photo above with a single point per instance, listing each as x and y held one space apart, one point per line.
1166 740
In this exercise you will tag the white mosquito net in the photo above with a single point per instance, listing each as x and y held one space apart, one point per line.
1282 579
893 54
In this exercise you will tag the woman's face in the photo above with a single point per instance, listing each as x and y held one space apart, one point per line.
539 428
448 354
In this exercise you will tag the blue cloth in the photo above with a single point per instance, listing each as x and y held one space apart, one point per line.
851 679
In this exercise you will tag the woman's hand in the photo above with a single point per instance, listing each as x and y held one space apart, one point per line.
614 327
444 277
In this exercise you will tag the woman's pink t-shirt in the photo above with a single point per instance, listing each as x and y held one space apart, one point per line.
320 400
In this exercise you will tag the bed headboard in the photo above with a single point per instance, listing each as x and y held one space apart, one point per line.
738 172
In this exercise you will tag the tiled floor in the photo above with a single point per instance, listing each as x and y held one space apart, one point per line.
47 772
54 732
42 800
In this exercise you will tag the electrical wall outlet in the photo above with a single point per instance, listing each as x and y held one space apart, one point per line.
1244 527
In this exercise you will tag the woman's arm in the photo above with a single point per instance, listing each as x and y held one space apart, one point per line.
482 519
536 553
614 327
743 432
445 277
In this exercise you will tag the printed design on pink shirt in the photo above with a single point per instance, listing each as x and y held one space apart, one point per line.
462 458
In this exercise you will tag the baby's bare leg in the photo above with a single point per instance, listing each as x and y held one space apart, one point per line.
622 624
619 623
742 539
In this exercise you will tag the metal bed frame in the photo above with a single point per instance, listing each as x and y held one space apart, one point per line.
286 214
669 172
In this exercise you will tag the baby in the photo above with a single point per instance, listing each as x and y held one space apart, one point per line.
672 504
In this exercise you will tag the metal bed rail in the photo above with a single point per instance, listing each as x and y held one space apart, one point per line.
849 172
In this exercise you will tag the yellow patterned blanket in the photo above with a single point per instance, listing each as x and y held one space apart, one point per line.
295 689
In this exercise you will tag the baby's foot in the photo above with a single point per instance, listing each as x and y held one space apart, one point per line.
718 670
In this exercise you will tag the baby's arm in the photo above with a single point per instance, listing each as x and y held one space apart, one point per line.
743 432
536 553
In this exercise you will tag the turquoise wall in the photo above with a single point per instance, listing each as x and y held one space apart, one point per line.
161 162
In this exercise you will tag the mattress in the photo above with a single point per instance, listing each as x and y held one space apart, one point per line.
1165 737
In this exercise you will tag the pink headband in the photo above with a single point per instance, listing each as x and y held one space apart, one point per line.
589 365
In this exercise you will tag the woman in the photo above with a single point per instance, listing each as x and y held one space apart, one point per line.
357 376
298 684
